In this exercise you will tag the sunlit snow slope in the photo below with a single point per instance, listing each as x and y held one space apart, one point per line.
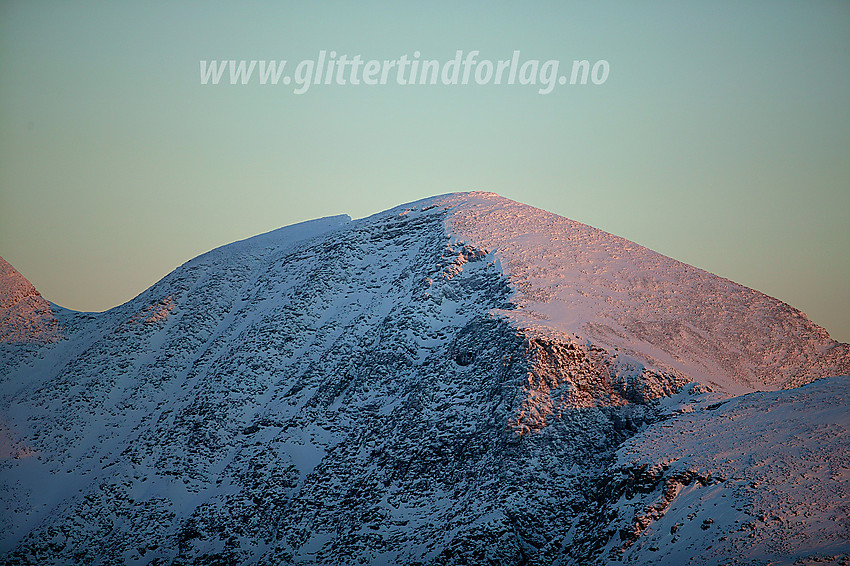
762 477
446 382
25 317
570 277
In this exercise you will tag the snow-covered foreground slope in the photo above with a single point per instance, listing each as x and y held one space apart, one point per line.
760 479
446 382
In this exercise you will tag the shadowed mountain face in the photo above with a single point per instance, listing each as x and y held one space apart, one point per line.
447 382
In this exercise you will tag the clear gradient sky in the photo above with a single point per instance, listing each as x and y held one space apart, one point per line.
721 137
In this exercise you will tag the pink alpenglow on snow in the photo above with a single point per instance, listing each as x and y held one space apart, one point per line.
459 380
25 317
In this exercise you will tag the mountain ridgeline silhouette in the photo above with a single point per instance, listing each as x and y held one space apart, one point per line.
459 380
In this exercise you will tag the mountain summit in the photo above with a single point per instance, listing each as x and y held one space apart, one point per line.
460 380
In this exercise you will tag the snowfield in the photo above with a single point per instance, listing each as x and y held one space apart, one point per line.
459 380
760 478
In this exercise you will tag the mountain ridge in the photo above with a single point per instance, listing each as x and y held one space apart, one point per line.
444 382
552 307
24 314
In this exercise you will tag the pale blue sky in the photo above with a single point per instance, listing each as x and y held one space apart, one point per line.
721 138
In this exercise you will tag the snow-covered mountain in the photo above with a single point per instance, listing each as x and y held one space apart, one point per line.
25 317
460 380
